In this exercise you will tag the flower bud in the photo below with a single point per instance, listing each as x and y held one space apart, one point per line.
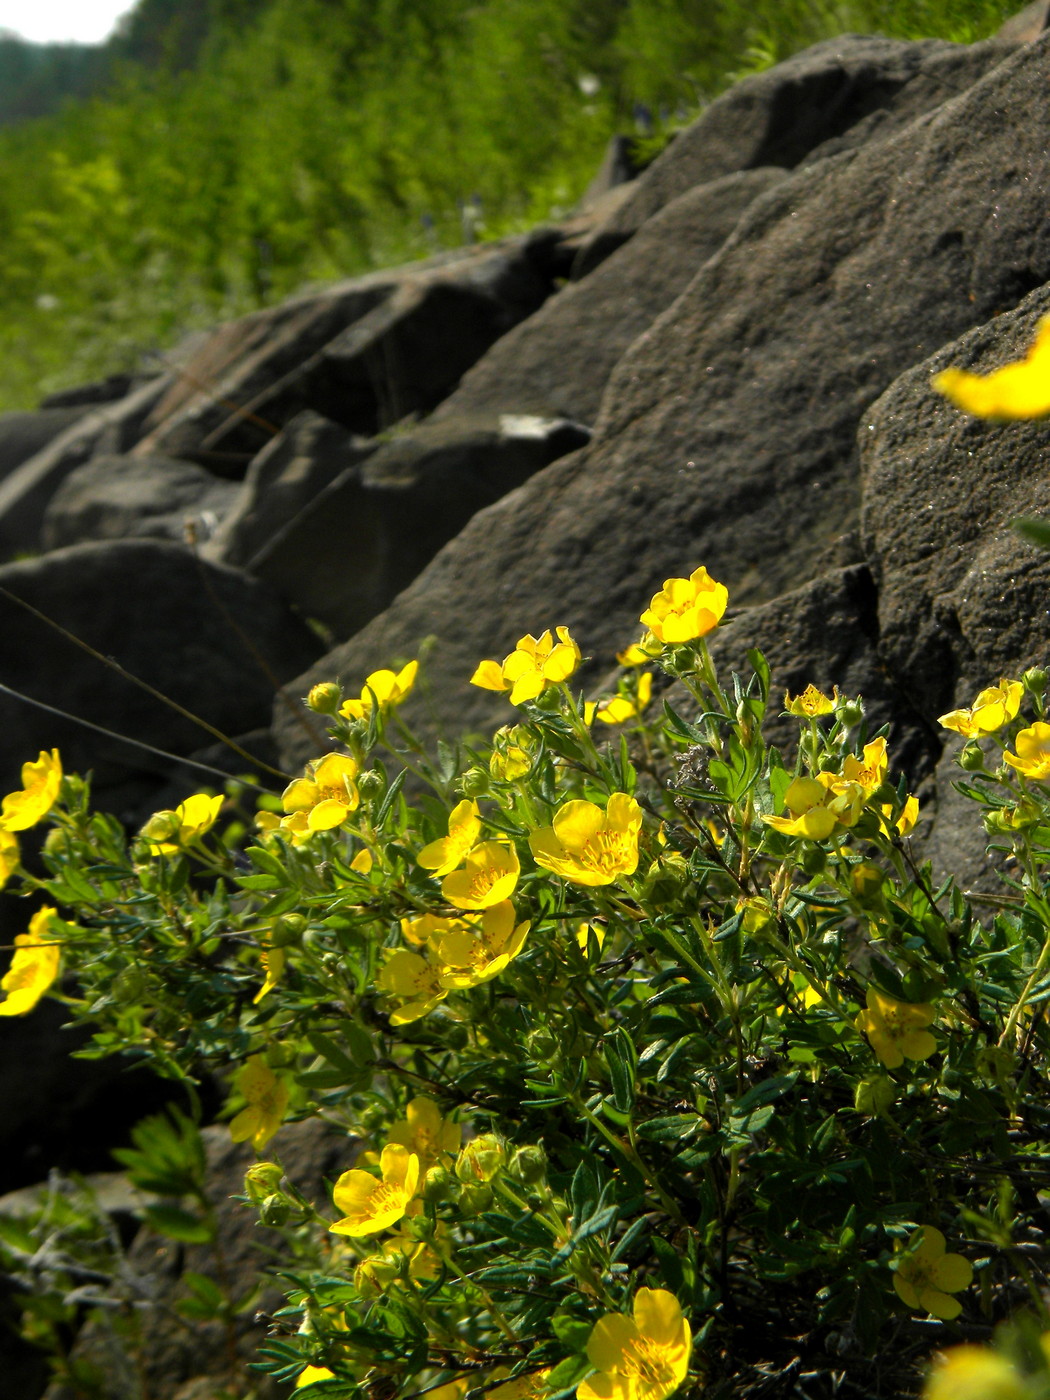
371 783
866 881
325 699
529 1165
542 1044
474 1199
875 1094
812 858
481 1159
850 711
129 985
972 758
162 826
56 843
1034 681
261 1181
287 930
438 1185
474 782
275 1210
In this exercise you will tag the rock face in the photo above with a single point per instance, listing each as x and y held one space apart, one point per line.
728 431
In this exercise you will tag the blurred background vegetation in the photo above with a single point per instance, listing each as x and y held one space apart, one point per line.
218 155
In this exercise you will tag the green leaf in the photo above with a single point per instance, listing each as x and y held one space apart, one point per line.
177 1224
1029 528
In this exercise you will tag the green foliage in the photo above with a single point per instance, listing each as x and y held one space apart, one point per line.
675 1012
240 151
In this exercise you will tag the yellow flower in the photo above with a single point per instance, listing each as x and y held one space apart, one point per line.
34 966
481 948
811 703
387 688
443 855
905 823
589 846
409 979
644 1357
422 930
686 608
1018 390
535 663
638 653
314 1373
489 875
897 1029
992 709
925 1276
9 856
806 800
1033 752
529 1386
369 1205
424 1132
620 708
273 960
362 863
583 936
267 1097
974 1373
868 772
189 821
323 799
376 1273
40 784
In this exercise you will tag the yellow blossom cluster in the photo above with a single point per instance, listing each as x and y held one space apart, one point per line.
27 806
818 805
533 665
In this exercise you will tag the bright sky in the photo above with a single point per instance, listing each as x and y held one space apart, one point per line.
58 21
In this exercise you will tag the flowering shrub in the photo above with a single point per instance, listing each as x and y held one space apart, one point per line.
661 1061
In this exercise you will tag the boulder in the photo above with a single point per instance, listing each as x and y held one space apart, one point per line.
845 91
727 432
962 598
26 490
558 362
365 353
212 639
354 547
286 476
114 497
23 435
1027 25
108 390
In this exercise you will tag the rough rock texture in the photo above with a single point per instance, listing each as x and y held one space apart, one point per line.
23 435
365 353
558 362
962 598
174 1356
282 481
123 497
26 491
1028 24
728 430
844 91
190 629
355 546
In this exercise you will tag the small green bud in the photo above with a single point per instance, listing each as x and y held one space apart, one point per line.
474 782
261 1181
972 757
481 1159
997 822
56 843
438 1186
874 1095
813 858
129 985
474 1199
529 1165
1034 680
287 930
325 699
542 1044
866 881
371 783
850 711
162 826
275 1210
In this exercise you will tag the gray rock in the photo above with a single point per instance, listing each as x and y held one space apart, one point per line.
962 599
727 433
559 361
861 85
108 390
282 481
355 546
123 497
365 353
23 435
214 640
1028 24
26 491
